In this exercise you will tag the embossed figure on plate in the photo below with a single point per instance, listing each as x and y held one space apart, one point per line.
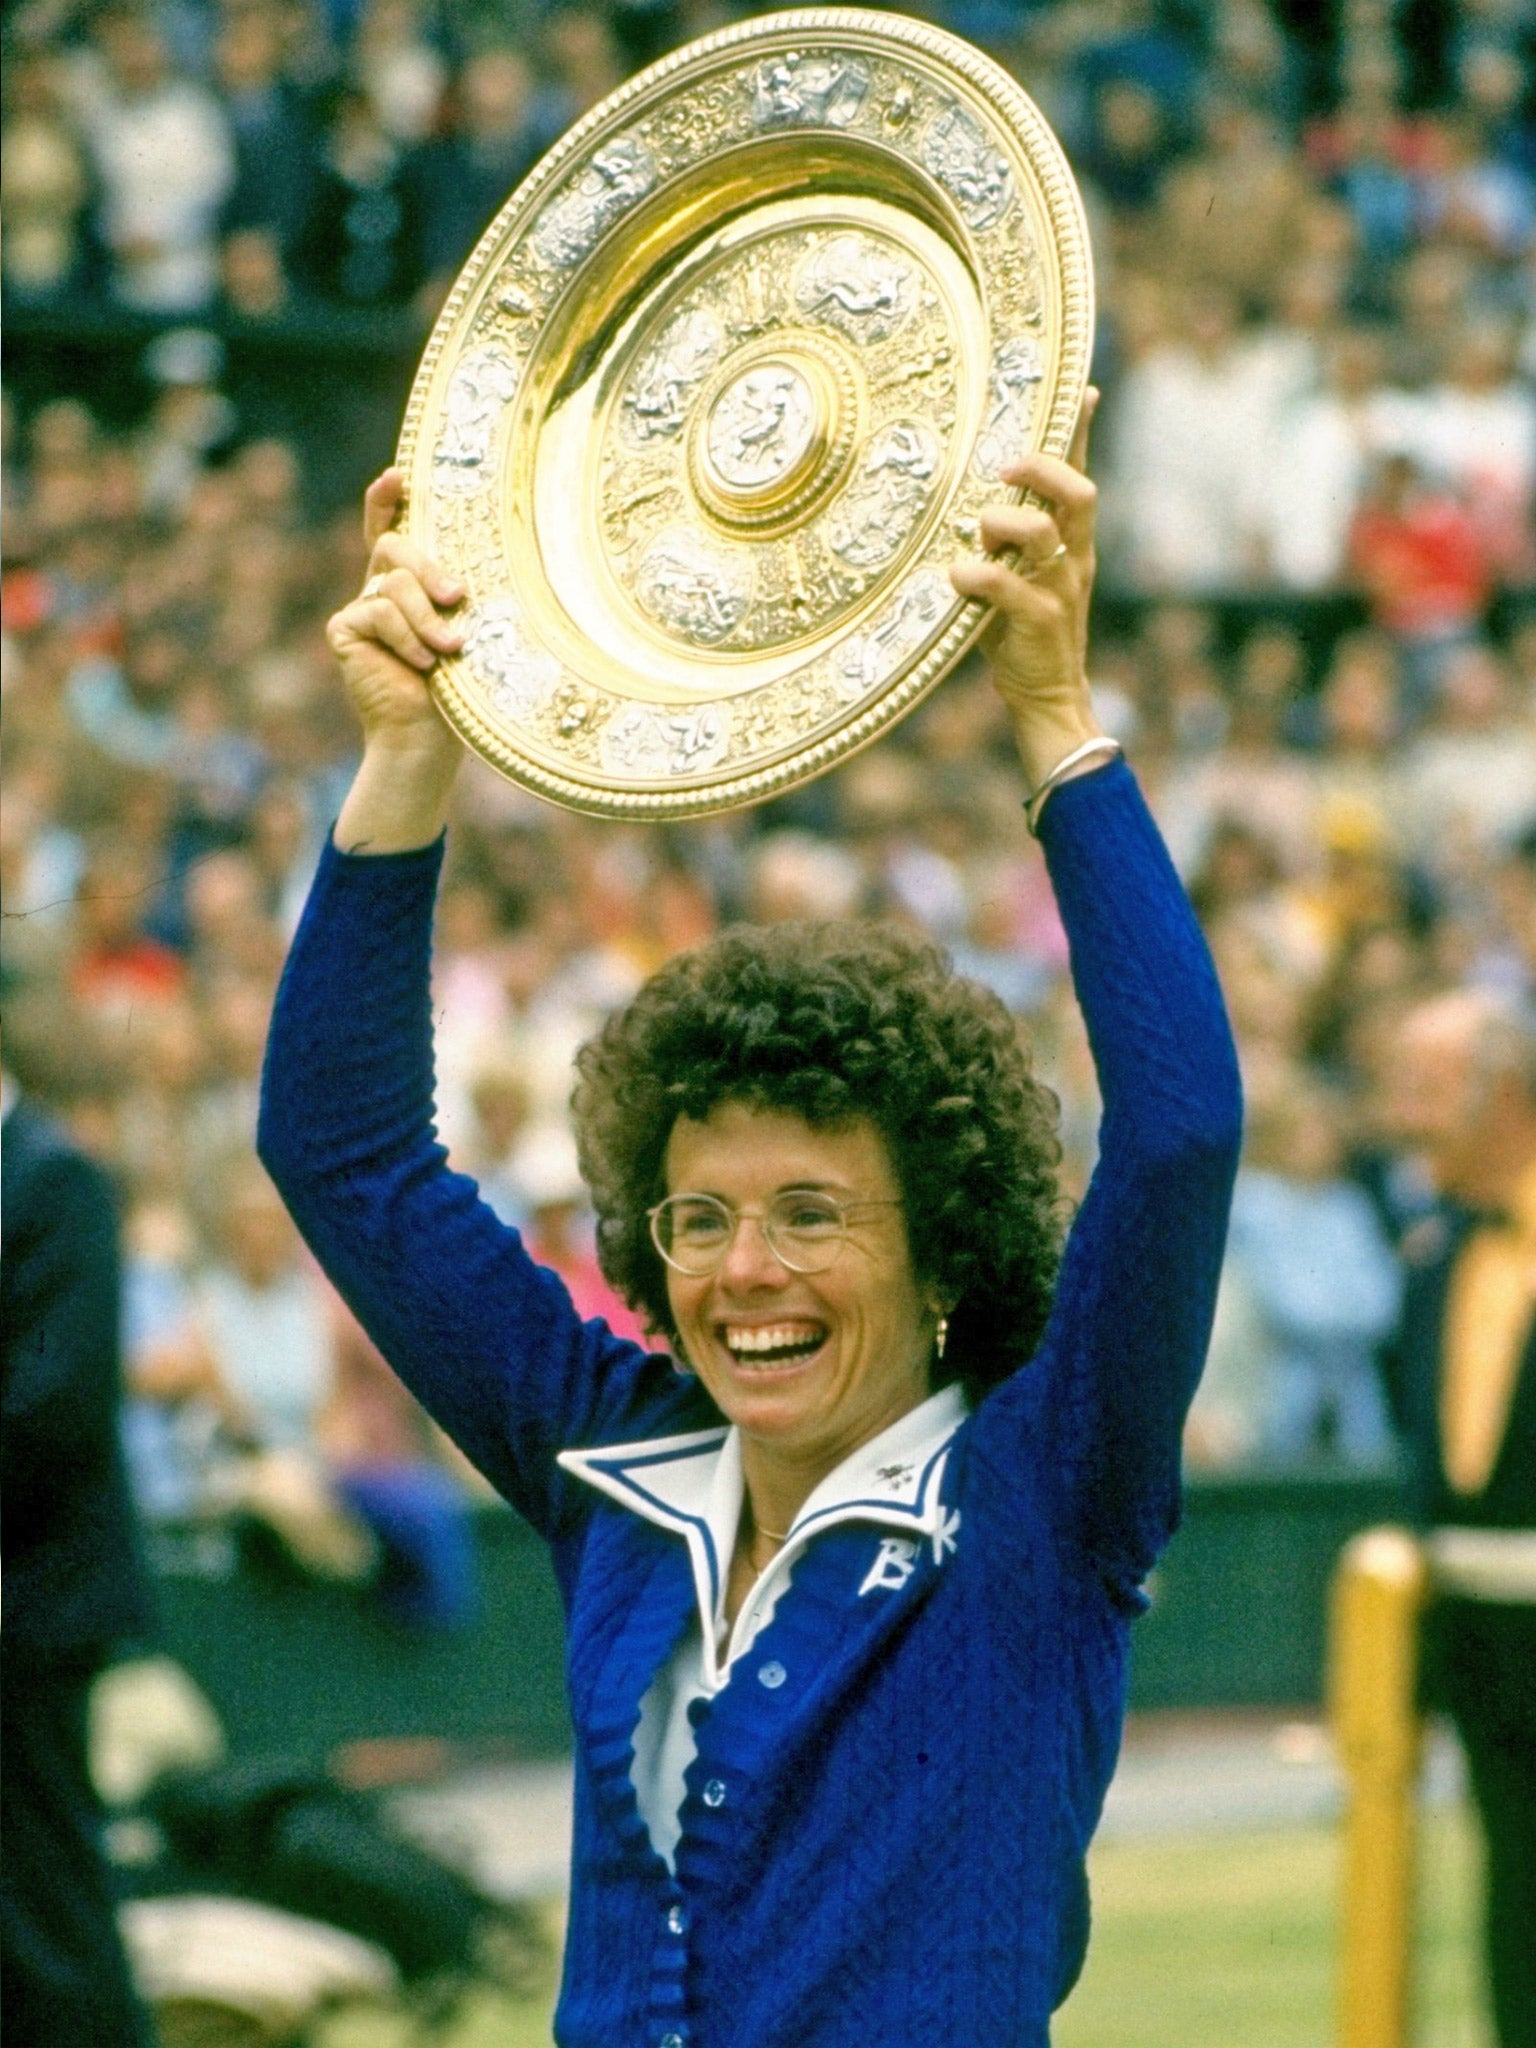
853 284
478 390
959 153
795 88
1015 374
647 741
695 591
761 426
868 659
610 184
518 678
882 506
668 374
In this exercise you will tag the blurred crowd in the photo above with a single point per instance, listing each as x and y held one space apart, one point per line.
1315 233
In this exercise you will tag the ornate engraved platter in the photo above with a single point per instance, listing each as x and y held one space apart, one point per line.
720 395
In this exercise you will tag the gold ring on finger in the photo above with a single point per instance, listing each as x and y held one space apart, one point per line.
1045 562
373 586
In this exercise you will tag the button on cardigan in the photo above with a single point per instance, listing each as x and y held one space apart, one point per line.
886 1848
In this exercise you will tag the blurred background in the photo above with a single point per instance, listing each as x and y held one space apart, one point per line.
227 225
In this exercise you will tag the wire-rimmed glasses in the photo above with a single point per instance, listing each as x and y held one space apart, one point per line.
805 1229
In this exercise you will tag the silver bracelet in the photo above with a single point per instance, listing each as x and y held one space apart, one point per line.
1089 750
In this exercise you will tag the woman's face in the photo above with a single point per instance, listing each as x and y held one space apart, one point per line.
811 1365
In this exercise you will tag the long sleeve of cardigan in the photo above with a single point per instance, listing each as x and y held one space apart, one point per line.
486 1339
1099 1411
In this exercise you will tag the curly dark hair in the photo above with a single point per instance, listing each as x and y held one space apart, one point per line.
835 1022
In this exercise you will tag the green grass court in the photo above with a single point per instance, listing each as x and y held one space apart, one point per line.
1202 1941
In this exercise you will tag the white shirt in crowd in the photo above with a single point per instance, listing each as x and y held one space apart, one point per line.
166 166
1181 471
273 1349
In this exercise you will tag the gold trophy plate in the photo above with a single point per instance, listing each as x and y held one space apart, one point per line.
721 394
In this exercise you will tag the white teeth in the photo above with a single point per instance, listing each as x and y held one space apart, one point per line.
784 1337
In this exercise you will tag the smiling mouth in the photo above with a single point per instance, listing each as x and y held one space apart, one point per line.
778 1344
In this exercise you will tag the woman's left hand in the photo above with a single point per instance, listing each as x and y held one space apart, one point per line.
1038 644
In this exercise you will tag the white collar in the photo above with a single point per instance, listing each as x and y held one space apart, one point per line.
693 1484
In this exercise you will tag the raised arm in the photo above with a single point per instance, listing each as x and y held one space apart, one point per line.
486 1340
1097 1416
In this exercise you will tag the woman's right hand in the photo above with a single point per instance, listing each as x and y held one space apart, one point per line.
389 638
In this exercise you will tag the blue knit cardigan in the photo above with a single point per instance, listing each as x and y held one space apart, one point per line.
886 1850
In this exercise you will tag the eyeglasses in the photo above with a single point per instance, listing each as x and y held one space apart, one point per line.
805 1230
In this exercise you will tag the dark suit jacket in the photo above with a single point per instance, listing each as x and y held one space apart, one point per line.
1479 1656
1508 1501
74 1580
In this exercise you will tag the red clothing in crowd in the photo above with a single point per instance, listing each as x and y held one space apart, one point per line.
106 978
1422 564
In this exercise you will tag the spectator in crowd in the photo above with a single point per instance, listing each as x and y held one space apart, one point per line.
1135 39
1360 763
796 874
1432 289
190 421
44 184
1417 552
74 1586
1474 196
274 146
500 1099
583 64
1323 444
406 1483
163 154
117 967
1250 773
1232 214
361 243
263 1322
399 68
560 1231
126 710
467 174
157 1123
168 1429
1506 961
1202 399
284 849
1316 1266
1366 151
1127 146
1476 430
256 1389
1470 774
1462 1090
1493 88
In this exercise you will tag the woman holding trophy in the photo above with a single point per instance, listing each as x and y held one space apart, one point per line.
850 1560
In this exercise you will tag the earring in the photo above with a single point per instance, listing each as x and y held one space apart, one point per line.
941 1336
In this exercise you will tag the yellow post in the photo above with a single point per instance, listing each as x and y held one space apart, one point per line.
1378 1592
